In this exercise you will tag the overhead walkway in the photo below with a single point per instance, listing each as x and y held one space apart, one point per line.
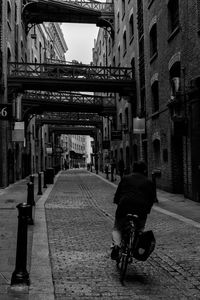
78 77
70 11
38 102
74 130
70 118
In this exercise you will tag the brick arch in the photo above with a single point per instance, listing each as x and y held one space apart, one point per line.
152 23
174 59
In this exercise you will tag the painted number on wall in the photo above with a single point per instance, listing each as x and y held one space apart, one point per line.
5 111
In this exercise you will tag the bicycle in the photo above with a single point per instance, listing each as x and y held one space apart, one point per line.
129 244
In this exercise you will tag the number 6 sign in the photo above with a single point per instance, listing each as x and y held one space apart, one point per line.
5 111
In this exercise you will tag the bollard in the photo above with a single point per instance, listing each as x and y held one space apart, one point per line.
30 199
39 183
32 178
44 180
20 274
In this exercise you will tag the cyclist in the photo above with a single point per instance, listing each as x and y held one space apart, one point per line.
135 194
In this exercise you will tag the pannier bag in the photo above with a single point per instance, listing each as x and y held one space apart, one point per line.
145 245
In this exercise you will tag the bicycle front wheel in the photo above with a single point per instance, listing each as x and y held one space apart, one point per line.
123 265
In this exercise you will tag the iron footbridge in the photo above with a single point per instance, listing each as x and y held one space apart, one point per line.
70 11
69 77
38 102
70 118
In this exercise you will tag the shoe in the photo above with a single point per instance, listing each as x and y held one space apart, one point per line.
115 253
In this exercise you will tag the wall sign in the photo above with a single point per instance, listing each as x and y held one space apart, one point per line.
5 111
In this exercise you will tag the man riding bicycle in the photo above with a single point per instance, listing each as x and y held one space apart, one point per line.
135 194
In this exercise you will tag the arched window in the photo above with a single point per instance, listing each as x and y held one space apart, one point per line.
120 121
119 55
153 40
131 27
123 8
173 14
155 96
9 13
124 42
8 55
118 21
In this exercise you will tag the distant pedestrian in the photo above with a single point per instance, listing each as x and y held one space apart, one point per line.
121 168
65 164
107 170
96 167
113 169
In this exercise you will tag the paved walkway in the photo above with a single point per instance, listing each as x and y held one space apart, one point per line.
70 244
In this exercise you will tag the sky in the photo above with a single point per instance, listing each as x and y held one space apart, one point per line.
80 41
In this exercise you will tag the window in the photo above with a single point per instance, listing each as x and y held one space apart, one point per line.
153 40
120 121
118 21
123 8
173 14
100 47
9 13
155 96
131 28
119 55
124 43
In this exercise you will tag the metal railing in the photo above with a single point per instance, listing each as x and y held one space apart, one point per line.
94 5
71 116
67 98
61 71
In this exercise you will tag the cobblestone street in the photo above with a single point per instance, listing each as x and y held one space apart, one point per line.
80 214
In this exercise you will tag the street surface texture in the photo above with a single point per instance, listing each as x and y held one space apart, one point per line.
80 215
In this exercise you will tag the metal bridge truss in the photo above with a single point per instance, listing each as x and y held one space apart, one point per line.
78 77
70 118
74 11
37 102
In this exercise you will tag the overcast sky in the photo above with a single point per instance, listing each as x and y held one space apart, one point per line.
80 41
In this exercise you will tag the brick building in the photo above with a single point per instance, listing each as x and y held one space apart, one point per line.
35 44
160 40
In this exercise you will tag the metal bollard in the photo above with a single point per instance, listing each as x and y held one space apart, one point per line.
30 200
30 197
20 274
39 183
32 178
44 181
153 174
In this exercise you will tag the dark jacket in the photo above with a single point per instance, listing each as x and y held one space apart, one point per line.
135 194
